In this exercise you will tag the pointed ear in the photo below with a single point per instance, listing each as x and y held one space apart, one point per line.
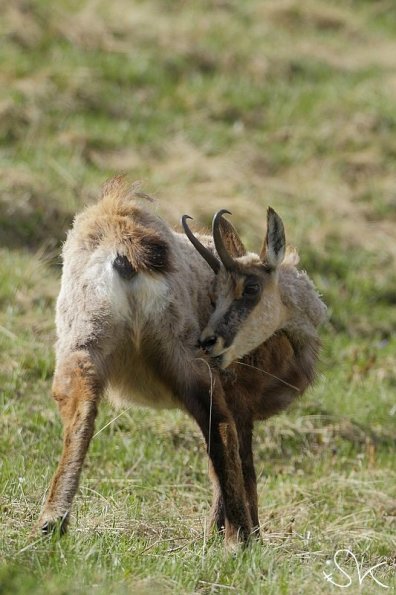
231 239
273 250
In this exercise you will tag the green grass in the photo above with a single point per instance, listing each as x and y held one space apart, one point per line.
211 104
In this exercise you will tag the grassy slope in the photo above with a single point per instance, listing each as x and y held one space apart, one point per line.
211 104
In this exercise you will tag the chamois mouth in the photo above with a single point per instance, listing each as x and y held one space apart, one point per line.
213 346
218 361
221 360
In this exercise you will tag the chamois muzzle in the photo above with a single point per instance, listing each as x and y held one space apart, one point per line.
213 346
207 343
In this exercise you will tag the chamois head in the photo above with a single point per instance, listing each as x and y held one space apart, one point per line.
246 299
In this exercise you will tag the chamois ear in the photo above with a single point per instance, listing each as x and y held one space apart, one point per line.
231 239
273 250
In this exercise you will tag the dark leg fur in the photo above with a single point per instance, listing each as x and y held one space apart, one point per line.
249 474
250 483
223 449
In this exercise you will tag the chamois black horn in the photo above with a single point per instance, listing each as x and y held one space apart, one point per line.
204 252
226 258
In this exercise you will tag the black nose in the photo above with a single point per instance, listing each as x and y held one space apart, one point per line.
207 343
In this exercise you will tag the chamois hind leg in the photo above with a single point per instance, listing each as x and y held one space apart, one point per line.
76 388
219 430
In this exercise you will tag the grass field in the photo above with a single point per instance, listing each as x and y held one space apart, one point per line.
218 103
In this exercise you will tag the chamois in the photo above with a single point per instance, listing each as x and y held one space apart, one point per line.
136 321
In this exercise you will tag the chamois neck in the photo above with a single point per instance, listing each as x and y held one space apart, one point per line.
305 309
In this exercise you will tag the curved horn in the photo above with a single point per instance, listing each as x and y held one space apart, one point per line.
227 260
204 252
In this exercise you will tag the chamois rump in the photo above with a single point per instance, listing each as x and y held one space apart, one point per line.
141 317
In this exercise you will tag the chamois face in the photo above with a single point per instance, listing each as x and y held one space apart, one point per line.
246 298
247 311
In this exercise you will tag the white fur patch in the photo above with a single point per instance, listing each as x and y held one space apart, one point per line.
250 259
292 257
107 284
150 293
135 301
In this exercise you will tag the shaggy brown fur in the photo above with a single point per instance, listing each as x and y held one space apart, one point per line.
134 300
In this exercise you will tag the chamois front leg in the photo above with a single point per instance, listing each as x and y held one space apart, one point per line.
217 514
76 388
219 430
250 482
245 434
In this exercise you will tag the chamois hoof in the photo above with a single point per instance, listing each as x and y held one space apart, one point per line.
255 536
236 541
233 547
56 526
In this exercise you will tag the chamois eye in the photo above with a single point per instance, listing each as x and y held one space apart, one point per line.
251 289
